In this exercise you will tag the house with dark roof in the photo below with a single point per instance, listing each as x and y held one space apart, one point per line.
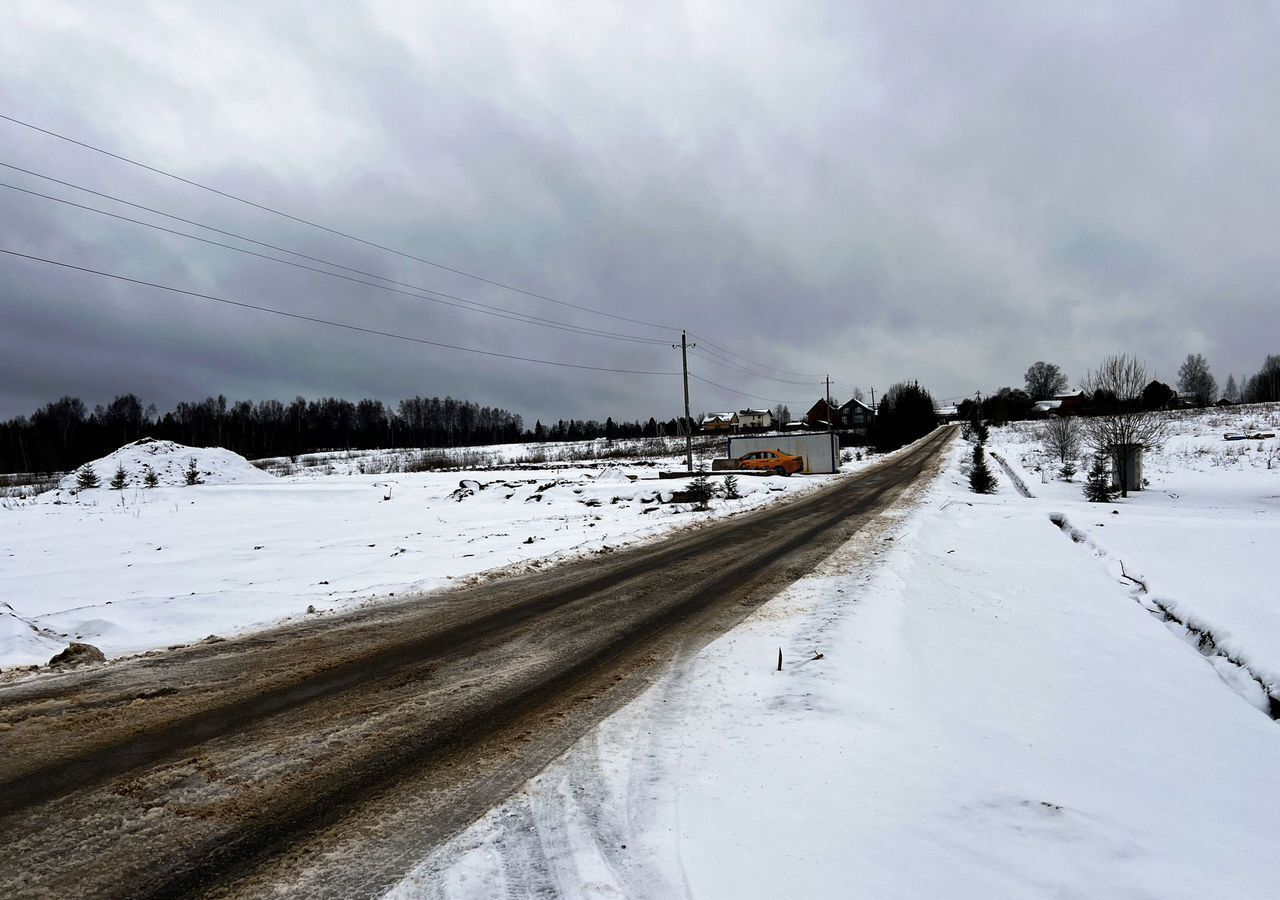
855 416
819 416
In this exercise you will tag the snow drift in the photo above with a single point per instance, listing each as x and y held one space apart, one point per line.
170 462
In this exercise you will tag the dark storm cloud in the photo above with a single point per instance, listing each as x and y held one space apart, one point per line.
879 190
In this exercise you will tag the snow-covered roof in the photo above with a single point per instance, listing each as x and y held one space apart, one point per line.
719 417
1046 405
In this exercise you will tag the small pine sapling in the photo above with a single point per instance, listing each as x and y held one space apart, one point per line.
150 478
1068 470
1097 488
701 491
120 479
981 481
731 491
981 431
86 477
192 474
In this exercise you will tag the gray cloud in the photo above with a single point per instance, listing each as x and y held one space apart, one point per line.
880 190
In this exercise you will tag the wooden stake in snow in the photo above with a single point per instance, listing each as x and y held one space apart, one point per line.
779 659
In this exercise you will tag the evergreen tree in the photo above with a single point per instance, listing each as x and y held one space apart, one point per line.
150 479
906 412
1068 470
86 477
981 481
120 479
701 491
1232 391
1098 489
192 474
731 487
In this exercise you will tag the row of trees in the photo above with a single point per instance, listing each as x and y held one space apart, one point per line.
906 412
1196 384
63 434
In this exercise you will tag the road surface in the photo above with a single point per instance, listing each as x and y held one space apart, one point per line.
324 759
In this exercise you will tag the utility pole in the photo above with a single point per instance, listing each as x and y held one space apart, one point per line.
684 346
873 398
835 464
828 401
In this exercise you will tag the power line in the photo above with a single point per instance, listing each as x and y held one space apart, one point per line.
733 365
477 307
724 387
747 359
368 243
718 356
318 321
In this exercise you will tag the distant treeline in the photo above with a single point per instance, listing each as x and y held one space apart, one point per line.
61 435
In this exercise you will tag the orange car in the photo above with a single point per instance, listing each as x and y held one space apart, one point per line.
780 463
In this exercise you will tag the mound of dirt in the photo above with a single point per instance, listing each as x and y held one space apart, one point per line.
77 655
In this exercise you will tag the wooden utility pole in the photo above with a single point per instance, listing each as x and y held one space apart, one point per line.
684 346
830 426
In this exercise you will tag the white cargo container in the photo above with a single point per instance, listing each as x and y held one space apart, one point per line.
821 451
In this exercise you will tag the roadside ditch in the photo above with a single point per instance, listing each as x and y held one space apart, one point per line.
1233 670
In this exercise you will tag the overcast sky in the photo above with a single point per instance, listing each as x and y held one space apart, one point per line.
936 191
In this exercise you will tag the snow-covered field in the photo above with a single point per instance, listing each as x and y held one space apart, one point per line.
996 714
1202 536
143 568
650 452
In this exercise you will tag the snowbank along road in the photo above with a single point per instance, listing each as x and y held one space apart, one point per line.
323 759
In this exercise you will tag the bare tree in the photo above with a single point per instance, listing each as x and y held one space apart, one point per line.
1122 377
1122 427
1194 378
1061 436
1044 380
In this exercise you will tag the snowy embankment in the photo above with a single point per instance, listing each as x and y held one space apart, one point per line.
993 716
144 568
1201 537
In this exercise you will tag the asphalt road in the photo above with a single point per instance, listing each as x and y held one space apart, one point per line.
324 759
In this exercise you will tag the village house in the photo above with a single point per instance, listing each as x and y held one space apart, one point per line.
819 416
1066 404
720 421
855 416
755 420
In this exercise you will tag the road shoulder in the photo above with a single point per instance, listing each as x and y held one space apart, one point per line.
992 716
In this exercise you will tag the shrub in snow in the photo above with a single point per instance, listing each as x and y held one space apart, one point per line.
1068 470
86 477
731 491
700 491
192 475
1061 437
150 478
981 481
1098 489
120 479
